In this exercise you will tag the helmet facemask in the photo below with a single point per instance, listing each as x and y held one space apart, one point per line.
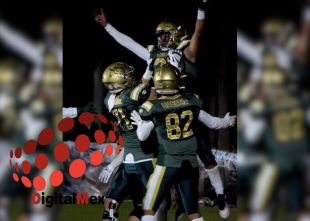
168 35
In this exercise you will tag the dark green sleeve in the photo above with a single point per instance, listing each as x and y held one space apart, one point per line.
195 100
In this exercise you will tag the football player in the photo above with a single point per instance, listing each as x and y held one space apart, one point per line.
175 49
136 163
171 46
278 122
173 116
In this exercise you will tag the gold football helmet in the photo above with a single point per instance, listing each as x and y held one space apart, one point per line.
52 30
118 76
166 80
173 33
165 26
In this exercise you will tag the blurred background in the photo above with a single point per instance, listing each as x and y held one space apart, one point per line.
30 99
273 72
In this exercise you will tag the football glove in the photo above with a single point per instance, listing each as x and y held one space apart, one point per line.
136 118
106 174
174 58
230 120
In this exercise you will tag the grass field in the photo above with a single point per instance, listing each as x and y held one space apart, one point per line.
93 213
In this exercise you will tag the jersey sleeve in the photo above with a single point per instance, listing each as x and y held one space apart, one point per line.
196 102
140 93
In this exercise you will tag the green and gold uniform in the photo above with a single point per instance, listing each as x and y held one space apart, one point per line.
187 68
132 176
124 103
285 142
173 118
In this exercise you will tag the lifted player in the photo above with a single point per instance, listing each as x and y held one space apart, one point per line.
171 47
131 178
176 50
173 116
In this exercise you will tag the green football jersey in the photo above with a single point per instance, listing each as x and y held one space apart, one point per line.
285 137
188 69
173 118
121 106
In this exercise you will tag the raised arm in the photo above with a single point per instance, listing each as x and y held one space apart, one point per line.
122 39
216 122
191 51
247 50
20 44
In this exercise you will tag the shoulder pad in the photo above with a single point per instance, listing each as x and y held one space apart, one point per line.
146 109
141 89
147 106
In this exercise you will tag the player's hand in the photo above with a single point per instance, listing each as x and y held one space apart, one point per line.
136 118
201 4
174 58
101 19
106 173
230 119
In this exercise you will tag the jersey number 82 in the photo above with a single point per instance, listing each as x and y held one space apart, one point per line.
174 132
